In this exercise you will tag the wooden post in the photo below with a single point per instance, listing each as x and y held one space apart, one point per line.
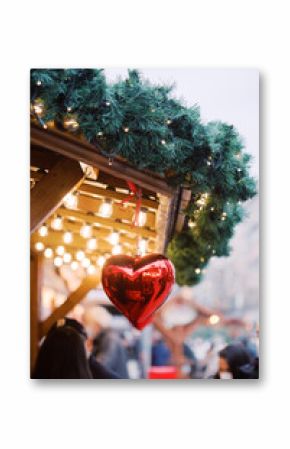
73 299
49 192
35 294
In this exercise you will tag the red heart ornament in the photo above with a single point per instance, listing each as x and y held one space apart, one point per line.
138 286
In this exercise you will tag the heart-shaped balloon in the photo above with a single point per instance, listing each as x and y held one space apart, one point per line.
138 286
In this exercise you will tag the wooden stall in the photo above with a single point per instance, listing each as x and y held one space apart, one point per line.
84 208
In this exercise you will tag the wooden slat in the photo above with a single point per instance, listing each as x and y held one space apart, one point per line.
74 298
96 220
55 238
48 193
108 193
90 204
80 150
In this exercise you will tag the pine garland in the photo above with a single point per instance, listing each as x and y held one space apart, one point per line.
144 124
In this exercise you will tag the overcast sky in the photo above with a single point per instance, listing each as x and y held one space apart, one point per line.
230 95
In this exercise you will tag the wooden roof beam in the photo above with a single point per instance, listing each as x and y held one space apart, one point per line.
48 193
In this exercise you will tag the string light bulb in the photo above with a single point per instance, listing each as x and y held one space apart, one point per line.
48 253
197 270
91 269
39 246
142 218
58 261
67 257
70 123
116 250
126 129
163 142
114 238
43 231
60 250
74 265
38 82
101 260
70 201
67 237
92 244
106 209
57 223
214 319
86 262
80 255
142 247
86 231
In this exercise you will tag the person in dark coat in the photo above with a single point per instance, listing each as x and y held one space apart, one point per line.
233 362
62 355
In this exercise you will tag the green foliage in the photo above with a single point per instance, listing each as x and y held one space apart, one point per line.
144 124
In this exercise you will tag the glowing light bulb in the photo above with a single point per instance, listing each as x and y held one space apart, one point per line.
142 216
214 319
142 247
114 238
212 209
208 162
85 262
191 224
169 122
70 201
67 257
126 130
92 244
38 108
71 124
100 133
116 250
80 255
108 103
197 270
163 142
58 261
74 265
101 260
56 224
91 269
43 231
106 209
38 82
60 250
39 246
86 231
67 237
48 253
68 109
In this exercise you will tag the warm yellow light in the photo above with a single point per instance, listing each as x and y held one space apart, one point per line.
67 257
101 260
74 265
114 238
70 201
191 224
214 319
86 231
142 217
91 269
163 142
116 250
48 253
43 231
106 209
85 262
142 247
197 270
67 237
71 124
58 261
92 244
126 130
39 246
57 223
80 255
60 250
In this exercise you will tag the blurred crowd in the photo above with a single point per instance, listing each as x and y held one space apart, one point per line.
94 347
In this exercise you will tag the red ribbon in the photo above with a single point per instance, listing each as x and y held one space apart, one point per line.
136 194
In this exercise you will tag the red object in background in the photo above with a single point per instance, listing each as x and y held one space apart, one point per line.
162 372
138 286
